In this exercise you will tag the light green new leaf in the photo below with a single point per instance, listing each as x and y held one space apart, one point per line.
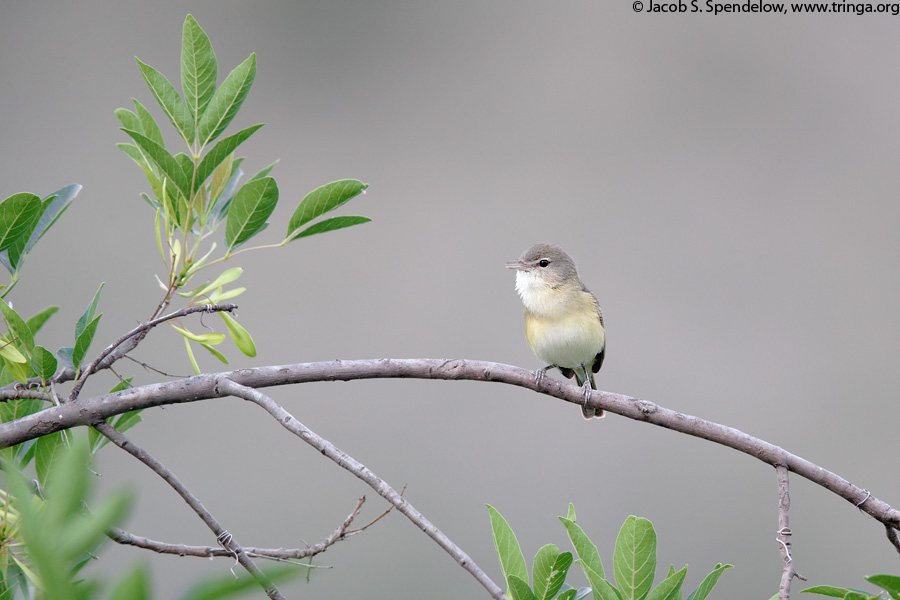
12 355
634 557
570 515
88 314
249 210
17 326
226 101
204 338
227 276
169 100
149 126
825 590
218 295
199 68
191 357
19 215
326 225
215 353
603 590
322 200
83 342
709 582
669 587
263 172
168 164
889 583
520 589
221 151
37 320
584 547
239 335
512 561
61 199
43 362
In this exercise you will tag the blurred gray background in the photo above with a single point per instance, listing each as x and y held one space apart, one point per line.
728 186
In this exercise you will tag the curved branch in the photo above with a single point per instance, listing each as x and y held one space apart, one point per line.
222 536
347 462
191 389
125 538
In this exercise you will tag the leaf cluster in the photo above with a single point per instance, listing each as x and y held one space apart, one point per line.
634 565
889 583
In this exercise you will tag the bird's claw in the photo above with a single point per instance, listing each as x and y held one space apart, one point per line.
539 375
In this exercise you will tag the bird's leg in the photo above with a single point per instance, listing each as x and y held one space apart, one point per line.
586 388
539 374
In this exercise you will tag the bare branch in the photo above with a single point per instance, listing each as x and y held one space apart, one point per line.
286 420
137 331
222 536
14 393
191 389
341 533
784 534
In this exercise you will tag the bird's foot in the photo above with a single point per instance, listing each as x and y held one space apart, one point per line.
539 374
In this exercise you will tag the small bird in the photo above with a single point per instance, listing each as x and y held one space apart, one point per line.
563 321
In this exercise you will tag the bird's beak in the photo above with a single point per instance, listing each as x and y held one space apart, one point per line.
517 265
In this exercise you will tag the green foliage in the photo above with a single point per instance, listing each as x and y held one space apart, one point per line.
889 583
85 329
634 565
194 192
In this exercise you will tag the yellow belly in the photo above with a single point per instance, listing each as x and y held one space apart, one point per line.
569 340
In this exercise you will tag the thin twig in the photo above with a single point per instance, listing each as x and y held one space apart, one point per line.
378 518
784 534
191 389
222 535
137 331
22 394
286 420
340 533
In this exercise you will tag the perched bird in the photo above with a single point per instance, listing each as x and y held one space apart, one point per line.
563 321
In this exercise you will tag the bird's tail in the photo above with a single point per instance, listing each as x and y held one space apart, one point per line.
588 411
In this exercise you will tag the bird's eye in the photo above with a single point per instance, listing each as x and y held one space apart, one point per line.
544 262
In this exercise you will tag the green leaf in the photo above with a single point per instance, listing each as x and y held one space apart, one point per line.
83 342
43 362
221 175
584 547
558 575
65 356
215 353
569 594
221 151
149 127
48 449
263 172
203 338
191 357
225 278
708 583
17 326
571 514
668 587
37 320
322 200
226 101
520 589
331 224
889 583
19 215
199 68
16 366
88 314
512 561
169 100
826 590
239 335
135 585
168 164
129 120
542 568
603 590
634 558
12 354
249 210
52 211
